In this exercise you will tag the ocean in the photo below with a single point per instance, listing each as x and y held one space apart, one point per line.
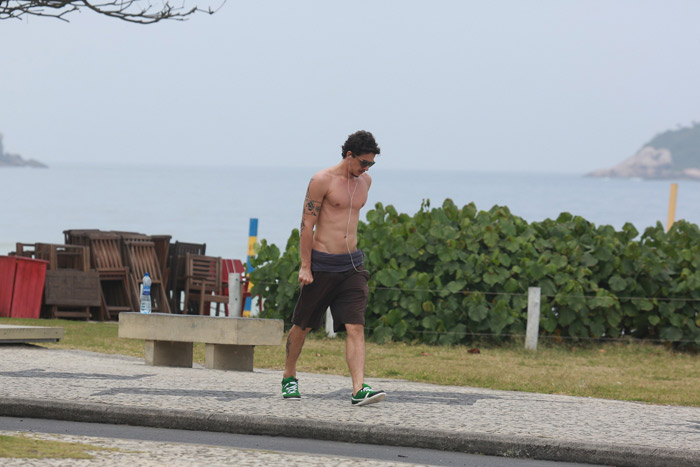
214 205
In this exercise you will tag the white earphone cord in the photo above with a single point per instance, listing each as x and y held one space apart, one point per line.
347 229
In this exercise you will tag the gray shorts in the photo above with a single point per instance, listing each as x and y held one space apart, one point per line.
344 292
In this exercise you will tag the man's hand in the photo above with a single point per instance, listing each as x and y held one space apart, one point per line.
305 276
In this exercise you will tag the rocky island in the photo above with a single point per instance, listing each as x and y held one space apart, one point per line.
674 154
15 160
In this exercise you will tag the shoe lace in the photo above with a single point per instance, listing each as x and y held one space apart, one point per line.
291 386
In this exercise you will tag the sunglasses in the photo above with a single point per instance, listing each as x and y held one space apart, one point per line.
365 164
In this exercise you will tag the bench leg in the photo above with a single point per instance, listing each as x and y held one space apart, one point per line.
168 353
228 357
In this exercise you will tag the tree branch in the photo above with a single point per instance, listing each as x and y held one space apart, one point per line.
133 11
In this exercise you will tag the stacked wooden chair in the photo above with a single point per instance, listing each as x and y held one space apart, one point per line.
121 259
141 259
203 282
115 283
78 236
177 270
25 250
71 287
162 245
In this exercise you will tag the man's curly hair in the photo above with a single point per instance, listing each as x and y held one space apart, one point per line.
360 142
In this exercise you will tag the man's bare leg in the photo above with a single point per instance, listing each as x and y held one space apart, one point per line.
295 342
355 354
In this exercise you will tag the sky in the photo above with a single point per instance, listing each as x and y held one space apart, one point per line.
527 86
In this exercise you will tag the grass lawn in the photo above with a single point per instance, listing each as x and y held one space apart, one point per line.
24 447
624 371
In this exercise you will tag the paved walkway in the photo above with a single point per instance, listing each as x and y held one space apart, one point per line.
83 386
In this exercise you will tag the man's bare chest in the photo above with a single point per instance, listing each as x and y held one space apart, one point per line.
340 194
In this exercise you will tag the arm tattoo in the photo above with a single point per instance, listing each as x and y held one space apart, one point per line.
311 207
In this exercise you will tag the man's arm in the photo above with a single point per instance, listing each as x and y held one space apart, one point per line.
315 194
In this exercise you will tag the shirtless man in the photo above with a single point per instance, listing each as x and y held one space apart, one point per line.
331 271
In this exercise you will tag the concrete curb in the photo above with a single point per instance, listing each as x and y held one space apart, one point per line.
475 443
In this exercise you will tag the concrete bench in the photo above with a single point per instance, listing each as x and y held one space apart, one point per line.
12 334
229 342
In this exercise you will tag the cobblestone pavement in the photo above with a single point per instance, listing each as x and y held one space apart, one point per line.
150 453
126 382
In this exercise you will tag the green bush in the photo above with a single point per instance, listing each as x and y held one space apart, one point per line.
445 274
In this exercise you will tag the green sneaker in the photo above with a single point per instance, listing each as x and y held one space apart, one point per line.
367 395
290 388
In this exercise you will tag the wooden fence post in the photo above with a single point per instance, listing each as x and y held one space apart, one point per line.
672 206
234 295
329 323
533 318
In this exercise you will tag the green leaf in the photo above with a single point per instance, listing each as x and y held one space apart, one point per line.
416 240
566 317
576 303
676 320
511 286
459 331
490 237
382 335
388 277
548 287
446 254
559 261
414 307
456 286
399 330
438 231
588 260
597 329
548 324
429 323
617 283
614 318
535 271
508 228
511 244
478 313
491 278
603 253
671 334
375 257
394 316
498 318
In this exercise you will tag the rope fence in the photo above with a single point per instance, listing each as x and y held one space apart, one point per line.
552 337
524 294
533 314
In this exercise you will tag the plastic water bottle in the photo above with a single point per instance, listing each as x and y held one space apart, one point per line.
146 294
